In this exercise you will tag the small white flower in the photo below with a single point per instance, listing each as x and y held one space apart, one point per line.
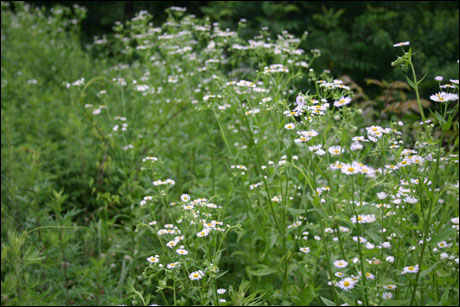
185 197
442 244
153 259
342 102
347 284
182 251
335 150
410 269
341 263
197 275
387 295
390 287
444 256
203 233
289 126
402 44
173 265
221 291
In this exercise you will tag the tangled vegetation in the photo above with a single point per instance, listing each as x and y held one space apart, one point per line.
187 166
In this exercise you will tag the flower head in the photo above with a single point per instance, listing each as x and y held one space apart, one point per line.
153 259
341 263
410 269
347 284
197 275
407 43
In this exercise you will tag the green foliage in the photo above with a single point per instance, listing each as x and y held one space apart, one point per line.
356 38
145 168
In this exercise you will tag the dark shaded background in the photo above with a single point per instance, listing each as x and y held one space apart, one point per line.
356 38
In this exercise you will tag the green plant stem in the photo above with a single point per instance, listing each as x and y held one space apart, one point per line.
259 164
427 224
416 92
358 230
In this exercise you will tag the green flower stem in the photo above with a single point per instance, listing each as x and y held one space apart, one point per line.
358 230
328 259
259 164
427 224
416 91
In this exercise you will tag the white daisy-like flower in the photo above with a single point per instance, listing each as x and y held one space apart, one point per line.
352 169
410 200
410 269
443 244
370 275
361 239
308 134
185 197
407 43
182 251
347 284
356 146
335 150
444 256
386 245
438 78
444 97
342 102
173 265
289 126
197 275
203 233
172 244
305 250
221 291
390 287
387 295
153 259
341 263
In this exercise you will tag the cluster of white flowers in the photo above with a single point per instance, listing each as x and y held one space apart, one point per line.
161 182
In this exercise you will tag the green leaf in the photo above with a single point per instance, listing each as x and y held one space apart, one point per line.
295 211
411 83
422 78
328 302
263 272
448 124
424 273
